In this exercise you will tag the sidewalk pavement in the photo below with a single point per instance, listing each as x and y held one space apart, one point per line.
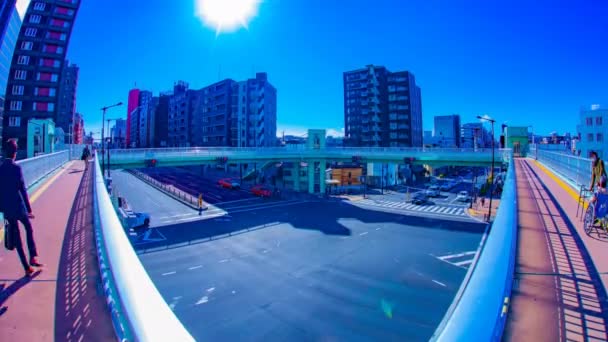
557 293
63 300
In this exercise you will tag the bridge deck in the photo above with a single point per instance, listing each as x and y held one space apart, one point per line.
62 302
558 293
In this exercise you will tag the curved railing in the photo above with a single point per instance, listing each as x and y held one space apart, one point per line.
138 310
479 311
575 168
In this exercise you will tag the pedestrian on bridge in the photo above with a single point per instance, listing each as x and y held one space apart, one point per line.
86 154
598 171
200 204
15 204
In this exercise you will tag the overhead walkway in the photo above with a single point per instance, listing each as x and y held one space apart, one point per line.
559 292
64 301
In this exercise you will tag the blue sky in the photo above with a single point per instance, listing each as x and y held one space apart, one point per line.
524 62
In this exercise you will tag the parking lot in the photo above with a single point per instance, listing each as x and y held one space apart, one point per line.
203 180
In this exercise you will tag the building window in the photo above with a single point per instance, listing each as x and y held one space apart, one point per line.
18 90
589 121
599 137
60 23
56 35
64 11
23 60
26 45
598 121
39 6
16 105
50 62
14 121
590 137
31 32
20 74
51 48
35 19
43 106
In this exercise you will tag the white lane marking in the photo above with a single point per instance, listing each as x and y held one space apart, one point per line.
195 267
437 282
211 289
180 215
203 300
456 255
435 209
233 292
169 273
364 233
278 243
223 260
378 228
463 263
174 302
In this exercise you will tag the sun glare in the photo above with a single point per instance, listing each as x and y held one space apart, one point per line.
226 15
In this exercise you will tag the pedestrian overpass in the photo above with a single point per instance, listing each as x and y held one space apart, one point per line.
138 311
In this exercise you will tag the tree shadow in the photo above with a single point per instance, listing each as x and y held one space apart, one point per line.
325 216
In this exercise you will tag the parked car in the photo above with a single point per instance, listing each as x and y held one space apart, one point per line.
261 191
463 196
420 199
446 186
432 191
228 183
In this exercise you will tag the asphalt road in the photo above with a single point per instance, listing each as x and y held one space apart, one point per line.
141 197
313 271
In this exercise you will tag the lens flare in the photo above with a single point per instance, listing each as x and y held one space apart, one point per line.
226 15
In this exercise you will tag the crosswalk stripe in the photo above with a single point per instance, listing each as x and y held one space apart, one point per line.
463 263
458 255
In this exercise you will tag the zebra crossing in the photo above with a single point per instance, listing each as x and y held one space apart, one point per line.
431 209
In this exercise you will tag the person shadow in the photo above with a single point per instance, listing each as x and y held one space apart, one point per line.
7 291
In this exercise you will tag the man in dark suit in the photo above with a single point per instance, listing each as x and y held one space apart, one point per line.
15 204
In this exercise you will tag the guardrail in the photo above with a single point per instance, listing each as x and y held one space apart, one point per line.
575 168
36 168
138 309
479 311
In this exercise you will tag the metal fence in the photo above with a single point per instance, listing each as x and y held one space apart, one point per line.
576 169
138 310
34 169
479 310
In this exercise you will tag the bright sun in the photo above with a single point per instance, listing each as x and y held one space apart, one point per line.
226 15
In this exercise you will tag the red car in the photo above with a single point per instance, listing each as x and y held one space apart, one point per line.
228 183
261 191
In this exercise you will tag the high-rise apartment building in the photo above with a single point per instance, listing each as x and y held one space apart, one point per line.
382 108
145 112
10 22
592 130
36 66
447 130
211 112
254 113
118 133
179 115
78 129
132 118
67 97
161 121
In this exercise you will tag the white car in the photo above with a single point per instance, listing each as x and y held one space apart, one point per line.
432 191
463 196
136 220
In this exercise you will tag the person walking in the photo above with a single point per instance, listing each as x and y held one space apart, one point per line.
598 171
86 154
15 204
200 204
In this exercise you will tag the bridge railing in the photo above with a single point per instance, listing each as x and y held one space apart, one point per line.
129 155
479 310
36 168
575 168
138 310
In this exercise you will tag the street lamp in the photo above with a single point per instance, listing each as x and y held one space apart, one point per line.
491 121
104 109
109 141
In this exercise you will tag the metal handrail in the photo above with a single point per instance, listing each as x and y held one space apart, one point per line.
480 312
36 168
148 315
